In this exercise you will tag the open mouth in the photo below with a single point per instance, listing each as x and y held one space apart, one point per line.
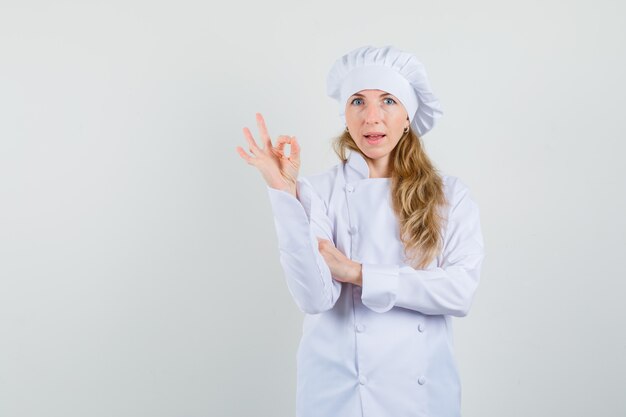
374 138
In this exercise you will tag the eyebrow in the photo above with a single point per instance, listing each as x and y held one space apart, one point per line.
361 95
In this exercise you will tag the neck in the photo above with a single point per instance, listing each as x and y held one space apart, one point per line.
378 168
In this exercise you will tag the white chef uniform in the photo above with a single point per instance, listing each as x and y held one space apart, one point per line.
385 349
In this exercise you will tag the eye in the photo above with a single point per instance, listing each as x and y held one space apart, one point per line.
389 100
357 101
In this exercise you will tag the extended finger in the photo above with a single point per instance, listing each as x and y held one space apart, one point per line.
251 142
260 122
245 156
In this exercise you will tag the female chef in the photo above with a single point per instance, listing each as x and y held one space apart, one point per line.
380 251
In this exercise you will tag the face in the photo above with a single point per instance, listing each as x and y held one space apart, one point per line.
376 121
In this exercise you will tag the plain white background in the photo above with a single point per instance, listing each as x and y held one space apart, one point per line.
139 271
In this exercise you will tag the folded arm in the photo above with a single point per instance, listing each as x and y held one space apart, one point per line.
446 289
299 221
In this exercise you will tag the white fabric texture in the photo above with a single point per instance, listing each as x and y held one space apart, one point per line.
388 69
385 349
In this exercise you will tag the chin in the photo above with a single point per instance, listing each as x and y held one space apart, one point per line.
375 154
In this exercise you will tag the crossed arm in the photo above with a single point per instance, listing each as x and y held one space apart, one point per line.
314 268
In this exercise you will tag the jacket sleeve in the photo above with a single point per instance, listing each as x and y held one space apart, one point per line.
299 221
446 289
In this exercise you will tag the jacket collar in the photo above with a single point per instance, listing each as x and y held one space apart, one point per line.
356 167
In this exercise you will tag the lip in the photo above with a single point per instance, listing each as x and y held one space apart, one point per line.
380 138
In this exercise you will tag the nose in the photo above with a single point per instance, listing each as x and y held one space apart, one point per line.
373 114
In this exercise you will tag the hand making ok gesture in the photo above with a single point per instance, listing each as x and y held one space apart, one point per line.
278 170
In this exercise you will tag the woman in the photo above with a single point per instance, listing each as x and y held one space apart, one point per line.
379 251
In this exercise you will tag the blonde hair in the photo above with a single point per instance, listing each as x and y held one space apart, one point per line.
416 194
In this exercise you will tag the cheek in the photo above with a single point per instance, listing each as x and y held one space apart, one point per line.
395 113
399 120
352 117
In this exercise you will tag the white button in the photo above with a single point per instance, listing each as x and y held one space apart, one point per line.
350 188
353 230
360 328
420 328
421 380
362 380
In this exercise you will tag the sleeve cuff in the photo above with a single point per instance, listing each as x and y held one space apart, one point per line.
380 286
283 203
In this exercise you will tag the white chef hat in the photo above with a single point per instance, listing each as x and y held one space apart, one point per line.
391 70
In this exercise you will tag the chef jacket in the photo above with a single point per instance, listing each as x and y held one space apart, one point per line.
386 348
